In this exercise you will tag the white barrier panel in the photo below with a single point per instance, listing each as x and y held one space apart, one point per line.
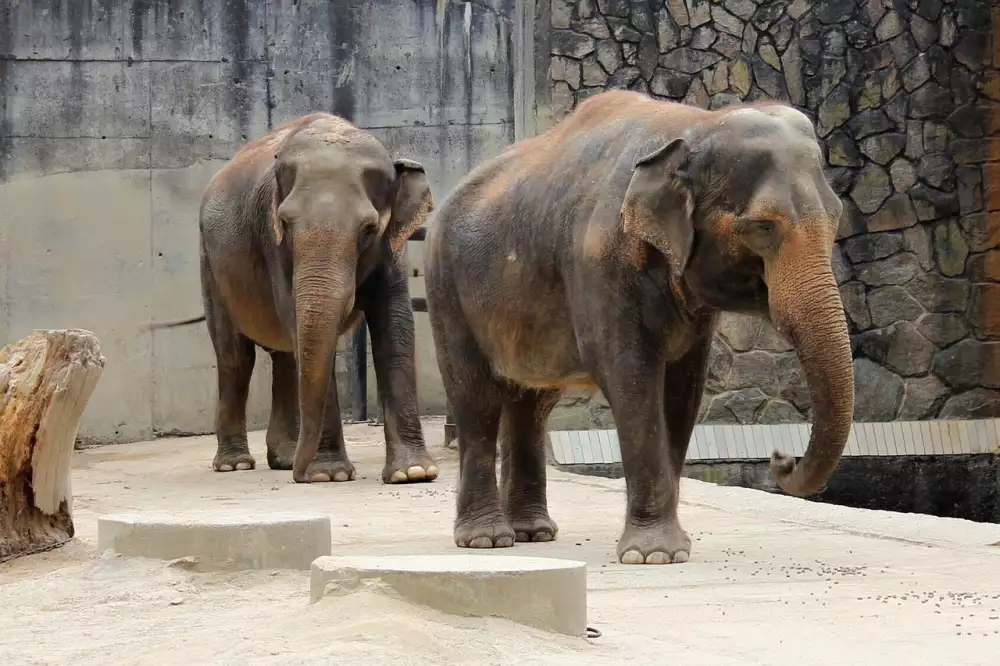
757 442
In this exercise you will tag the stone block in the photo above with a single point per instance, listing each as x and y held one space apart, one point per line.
205 110
974 404
969 364
871 188
34 31
623 31
855 302
641 16
688 60
889 305
594 26
792 379
720 361
58 99
609 55
219 539
943 328
922 397
878 392
214 31
668 32
614 7
984 267
950 248
754 369
400 83
33 157
982 230
897 269
777 410
984 309
545 593
870 247
899 347
917 239
883 148
940 294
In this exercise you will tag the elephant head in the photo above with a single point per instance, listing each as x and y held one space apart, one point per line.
740 207
342 205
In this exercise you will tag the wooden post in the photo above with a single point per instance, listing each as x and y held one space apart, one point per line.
46 380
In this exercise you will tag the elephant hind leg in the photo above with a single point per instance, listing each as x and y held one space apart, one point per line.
235 355
477 401
283 424
522 463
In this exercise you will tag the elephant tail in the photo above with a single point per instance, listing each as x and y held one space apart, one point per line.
172 324
419 304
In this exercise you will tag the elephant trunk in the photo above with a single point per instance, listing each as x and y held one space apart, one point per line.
324 298
806 306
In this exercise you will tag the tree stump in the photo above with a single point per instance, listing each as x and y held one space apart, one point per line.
46 380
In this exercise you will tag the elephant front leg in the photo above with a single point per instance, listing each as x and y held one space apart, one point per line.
633 384
331 462
390 323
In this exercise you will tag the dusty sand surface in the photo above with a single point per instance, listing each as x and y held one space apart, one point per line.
771 580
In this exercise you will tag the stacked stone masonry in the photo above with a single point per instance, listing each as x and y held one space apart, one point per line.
905 96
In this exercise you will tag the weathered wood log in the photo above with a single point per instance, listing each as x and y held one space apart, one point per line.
46 380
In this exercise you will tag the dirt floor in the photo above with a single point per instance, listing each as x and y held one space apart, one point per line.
771 581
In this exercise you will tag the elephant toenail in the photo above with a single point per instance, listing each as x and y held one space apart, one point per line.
416 473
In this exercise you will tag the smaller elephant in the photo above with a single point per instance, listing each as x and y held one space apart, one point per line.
598 255
302 235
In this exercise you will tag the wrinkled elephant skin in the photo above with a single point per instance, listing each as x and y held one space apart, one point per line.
302 235
598 255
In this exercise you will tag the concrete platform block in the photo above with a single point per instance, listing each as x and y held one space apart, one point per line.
542 592
244 540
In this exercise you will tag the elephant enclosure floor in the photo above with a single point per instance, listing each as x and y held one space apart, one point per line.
772 580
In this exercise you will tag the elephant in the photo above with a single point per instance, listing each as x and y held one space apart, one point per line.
301 239
599 255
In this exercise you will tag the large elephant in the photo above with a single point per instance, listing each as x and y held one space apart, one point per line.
598 255
301 239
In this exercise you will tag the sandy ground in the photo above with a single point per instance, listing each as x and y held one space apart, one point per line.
771 580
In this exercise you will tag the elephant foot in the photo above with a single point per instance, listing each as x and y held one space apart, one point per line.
489 532
666 543
410 467
228 459
538 529
327 468
281 455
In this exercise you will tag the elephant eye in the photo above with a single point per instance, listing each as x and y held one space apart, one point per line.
756 226
367 233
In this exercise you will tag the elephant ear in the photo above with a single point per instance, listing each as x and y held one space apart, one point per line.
276 199
413 203
658 207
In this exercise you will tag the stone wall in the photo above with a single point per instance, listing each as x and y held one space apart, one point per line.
903 95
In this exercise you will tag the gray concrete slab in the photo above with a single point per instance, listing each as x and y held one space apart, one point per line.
772 580
544 592
219 538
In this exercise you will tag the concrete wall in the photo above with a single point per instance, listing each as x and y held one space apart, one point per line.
114 114
904 96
